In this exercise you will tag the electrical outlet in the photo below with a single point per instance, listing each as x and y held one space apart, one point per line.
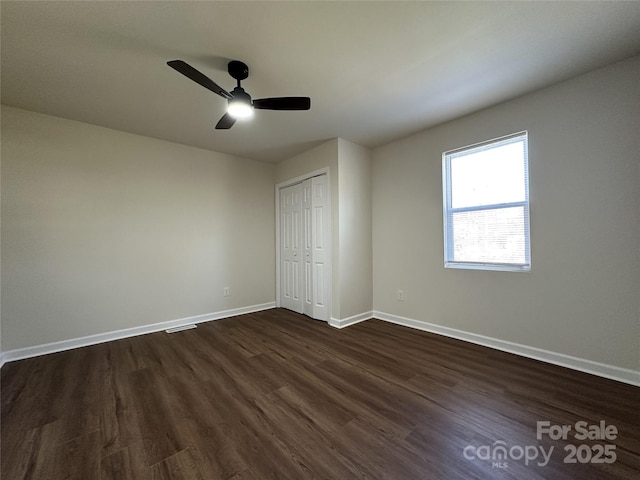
225 291
400 295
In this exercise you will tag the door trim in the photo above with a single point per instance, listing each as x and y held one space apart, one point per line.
289 183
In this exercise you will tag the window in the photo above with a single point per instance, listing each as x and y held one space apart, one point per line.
486 205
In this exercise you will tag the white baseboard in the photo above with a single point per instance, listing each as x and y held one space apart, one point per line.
612 372
37 350
346 322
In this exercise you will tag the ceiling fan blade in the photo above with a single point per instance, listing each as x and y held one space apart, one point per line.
193 74
283 103
225 122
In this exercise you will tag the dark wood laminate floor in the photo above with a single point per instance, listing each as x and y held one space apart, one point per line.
277 395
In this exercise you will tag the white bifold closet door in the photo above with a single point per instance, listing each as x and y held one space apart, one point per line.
304 254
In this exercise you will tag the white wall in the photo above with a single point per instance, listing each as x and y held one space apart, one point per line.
355 253
104 230
1 349
322 156
582 296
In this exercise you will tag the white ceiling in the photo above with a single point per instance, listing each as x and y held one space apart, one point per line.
375 71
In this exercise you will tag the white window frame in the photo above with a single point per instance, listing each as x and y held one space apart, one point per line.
449 262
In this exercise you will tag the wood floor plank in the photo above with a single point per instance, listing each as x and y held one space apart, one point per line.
214 449
157 426
129 463
24 454
118 416
181 466
246 475
77 459
275 395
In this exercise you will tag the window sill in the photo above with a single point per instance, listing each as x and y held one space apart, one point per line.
500 267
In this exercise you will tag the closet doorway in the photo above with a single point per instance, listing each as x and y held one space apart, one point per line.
304 241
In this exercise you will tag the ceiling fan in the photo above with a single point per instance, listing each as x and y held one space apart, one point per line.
240 103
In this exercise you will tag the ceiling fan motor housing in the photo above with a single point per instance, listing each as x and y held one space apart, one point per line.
239 94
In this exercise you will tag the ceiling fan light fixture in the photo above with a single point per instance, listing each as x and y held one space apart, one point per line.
240 109
240 105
